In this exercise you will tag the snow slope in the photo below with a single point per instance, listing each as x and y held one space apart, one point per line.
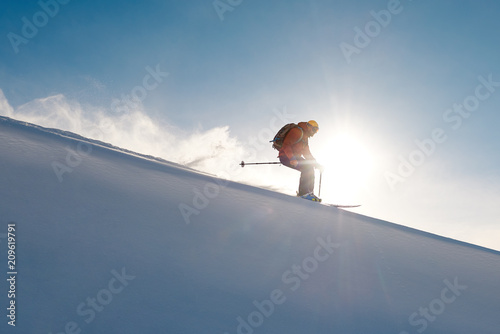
108 241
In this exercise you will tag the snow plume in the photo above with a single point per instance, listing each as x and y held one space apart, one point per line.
214 150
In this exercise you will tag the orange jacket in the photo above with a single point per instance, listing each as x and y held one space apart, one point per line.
296 143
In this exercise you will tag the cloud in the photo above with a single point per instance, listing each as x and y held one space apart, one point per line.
206 150
5 107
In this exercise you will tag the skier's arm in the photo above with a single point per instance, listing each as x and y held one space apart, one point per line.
308 155
312 160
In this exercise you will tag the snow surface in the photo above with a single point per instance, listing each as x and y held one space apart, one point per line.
109 241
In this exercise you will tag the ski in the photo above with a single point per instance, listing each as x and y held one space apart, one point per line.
313 198
342 206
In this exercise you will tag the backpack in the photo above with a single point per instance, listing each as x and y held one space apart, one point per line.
280 136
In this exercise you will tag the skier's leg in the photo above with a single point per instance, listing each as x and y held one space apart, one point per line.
306 178
285 161
303 185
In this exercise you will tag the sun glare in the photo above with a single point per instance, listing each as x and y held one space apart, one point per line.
348 164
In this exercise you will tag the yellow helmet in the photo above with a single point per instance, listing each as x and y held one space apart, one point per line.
314 124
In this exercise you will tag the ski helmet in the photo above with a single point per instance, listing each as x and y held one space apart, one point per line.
314 125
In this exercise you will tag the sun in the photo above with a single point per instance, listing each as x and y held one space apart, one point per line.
348 163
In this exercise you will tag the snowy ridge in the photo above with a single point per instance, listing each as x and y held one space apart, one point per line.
110 241
71 135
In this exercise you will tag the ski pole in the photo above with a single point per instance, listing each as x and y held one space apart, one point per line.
320 177
243 163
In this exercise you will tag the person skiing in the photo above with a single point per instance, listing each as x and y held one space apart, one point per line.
295 153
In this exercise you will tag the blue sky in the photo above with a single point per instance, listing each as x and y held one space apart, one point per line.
226 79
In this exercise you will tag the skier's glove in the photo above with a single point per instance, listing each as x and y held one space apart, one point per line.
294 162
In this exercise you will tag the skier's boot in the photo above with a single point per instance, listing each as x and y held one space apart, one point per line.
310 196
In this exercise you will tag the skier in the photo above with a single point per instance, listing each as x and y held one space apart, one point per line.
295 153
